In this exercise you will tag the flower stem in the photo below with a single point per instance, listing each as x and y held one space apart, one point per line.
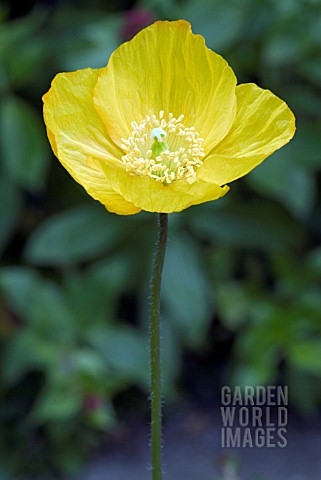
155 363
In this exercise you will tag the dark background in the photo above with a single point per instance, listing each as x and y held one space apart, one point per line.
241 298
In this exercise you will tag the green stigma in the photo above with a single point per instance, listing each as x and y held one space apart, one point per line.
159 144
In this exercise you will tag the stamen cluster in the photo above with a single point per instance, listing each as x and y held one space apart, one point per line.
184 155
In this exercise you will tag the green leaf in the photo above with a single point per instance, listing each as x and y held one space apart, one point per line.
220 22
125 351
102 418
22 354
306 355
280 178
97 299
310 68
287 42
303 100
23 143
254 225
112 272
22 49
104 281
38 302
50 316
185 291
162 8
88 362
10 205
314 261
86 38
305 148
304 389
233 303
19 287
56 404
78 235
258 373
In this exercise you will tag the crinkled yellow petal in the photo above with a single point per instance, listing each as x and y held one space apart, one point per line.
153 196
166 67
263 124
76 134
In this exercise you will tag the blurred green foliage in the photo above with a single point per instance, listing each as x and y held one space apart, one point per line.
74 279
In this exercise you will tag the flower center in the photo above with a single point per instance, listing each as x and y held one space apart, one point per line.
164 150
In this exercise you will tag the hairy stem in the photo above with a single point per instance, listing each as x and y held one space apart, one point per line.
155 363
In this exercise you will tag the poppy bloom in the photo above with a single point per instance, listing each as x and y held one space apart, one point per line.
164 126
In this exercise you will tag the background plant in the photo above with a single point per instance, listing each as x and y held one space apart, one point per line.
242 277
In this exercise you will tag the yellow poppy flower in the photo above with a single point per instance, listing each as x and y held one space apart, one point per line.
164 126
